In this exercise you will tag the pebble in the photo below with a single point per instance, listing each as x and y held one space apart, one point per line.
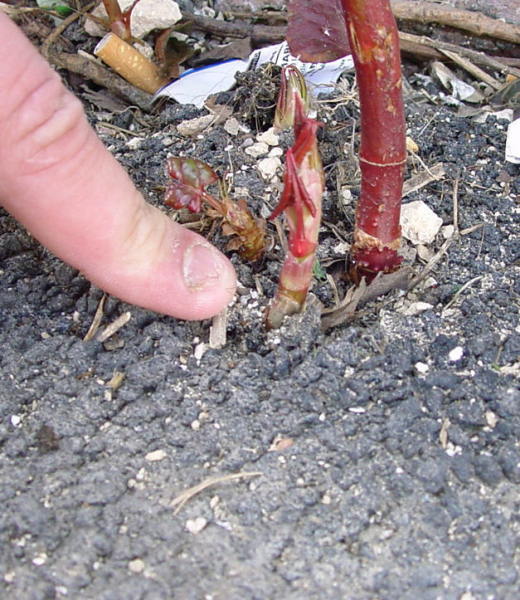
269 137
232 126
196 525
276 152
146 16
268 167
447 232
419 223
415 308
258 149
136 565
195 126
155 456
40 559
456 354
134 143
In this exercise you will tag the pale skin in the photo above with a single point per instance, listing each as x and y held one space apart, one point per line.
59 181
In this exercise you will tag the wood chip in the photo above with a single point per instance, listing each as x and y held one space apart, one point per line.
114 327
443 433
218 330
382 284
96 322
417 182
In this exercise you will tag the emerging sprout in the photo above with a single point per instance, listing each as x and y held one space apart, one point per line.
292 86
304 183
189 179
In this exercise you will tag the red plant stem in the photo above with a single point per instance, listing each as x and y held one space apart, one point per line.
374 42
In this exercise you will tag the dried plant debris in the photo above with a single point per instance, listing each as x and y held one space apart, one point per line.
255 99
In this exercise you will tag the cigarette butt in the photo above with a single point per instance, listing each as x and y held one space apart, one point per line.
129 63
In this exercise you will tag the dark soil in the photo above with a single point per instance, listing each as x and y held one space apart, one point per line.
387 447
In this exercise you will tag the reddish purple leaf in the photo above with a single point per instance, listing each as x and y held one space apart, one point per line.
190 177
178 195
316 30
191 171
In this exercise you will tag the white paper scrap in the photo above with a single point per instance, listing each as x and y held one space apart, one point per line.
513 142
196 85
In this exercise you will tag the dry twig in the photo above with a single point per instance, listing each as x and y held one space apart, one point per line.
92 70
96 322
467 20
478 58
186 495
62 26
114 327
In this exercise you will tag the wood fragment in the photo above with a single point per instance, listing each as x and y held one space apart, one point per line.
431 264
382 284
45 47
186 495
471 68
114 327
417 182
218 330
443 433
100 75
456 205
459 292
478 58
467 20
96 321
259 34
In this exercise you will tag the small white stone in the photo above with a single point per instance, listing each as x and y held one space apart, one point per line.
491 419
146 16
422 368
269 137
416 308
195 126
196 525
232 126
425 253
419 223
136 565
456 354
269 166
447 232
16 420
345 195
134 143
342 248
275 152
200 350
195 425
39 559
258 149
155 456
9 577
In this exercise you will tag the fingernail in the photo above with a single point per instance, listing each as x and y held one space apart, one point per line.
203 267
